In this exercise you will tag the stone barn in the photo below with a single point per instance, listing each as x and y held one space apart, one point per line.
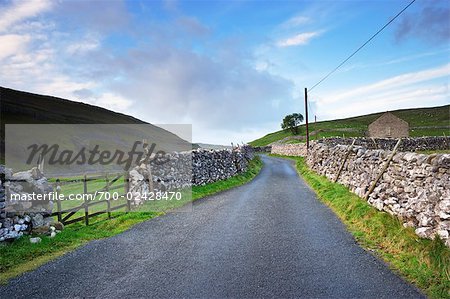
389 126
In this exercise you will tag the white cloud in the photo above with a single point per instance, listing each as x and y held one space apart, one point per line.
423 88
393 61
296 21
175 85
12 44
83 46
165 81
435 95
391 83
298 40
36 56
22 10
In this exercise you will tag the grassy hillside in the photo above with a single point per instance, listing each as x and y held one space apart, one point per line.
422 121
108 129
18 107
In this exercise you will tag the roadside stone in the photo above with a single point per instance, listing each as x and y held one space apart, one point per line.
48 221
38 220
409 189
8 222
445 205
424 232
22 176
40 230
443 234
443 215
58 226
409 224
35 240
444 225
11 235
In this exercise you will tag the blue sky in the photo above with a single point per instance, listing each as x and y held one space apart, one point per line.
232 69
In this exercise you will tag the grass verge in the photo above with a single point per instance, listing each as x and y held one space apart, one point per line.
430 152
22 256
425 263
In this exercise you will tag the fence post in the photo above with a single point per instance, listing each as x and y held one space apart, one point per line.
58 202
108 202
150 179
345 159
383 169
127 189
86 207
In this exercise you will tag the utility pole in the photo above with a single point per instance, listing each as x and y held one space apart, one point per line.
306 116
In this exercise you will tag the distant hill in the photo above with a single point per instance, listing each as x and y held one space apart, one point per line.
18 107
433 121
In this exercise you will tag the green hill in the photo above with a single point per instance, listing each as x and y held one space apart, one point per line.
84 124
433 121
19 107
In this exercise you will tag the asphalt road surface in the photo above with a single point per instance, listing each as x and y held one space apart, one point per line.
270 238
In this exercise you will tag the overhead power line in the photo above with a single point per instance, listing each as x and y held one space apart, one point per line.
362 46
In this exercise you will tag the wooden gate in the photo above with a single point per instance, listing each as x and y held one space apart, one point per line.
92 198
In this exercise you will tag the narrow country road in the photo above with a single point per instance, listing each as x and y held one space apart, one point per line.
269 238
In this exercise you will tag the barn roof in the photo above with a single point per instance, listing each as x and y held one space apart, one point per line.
389 115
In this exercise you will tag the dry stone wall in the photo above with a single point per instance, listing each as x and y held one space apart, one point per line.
19 217
262 149
296 149
407 145
185 169
415 187
168 172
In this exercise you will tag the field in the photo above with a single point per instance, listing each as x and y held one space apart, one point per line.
422 121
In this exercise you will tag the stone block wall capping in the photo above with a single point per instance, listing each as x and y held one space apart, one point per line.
383 169
343 161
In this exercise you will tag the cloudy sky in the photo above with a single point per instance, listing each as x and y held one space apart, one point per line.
232 69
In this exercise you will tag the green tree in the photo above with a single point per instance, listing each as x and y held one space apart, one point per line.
291 122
